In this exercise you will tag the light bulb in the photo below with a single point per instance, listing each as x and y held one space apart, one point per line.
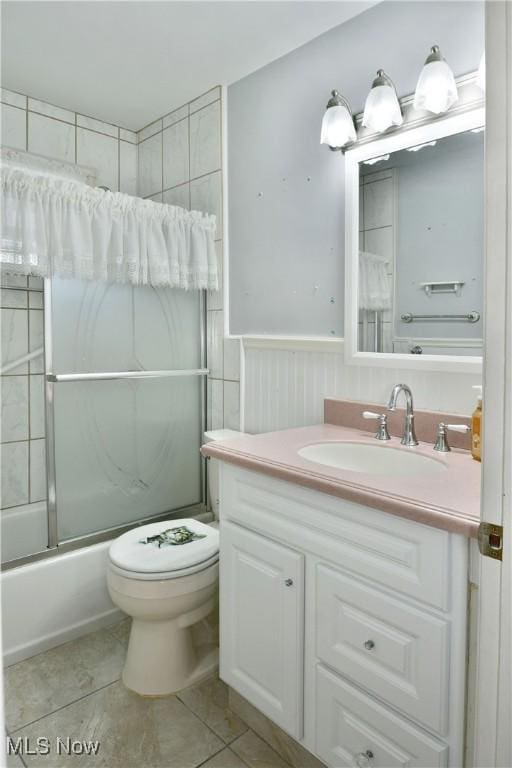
338 128
382 108
436 90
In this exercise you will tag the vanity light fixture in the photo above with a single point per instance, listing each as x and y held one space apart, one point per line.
382 108
338 127
436 90
480 77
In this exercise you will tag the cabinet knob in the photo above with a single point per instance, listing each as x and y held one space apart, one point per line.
369 645
363 759
288 582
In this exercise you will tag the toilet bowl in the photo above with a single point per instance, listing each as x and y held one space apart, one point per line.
213 436
165 590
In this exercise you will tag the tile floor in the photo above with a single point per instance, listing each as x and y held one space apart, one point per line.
74 691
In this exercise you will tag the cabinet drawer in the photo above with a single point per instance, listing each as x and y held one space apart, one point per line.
391 648
354 730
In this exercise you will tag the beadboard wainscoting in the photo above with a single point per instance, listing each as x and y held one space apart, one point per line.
285 381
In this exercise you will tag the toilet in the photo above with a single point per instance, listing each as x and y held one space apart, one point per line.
166 590
213 465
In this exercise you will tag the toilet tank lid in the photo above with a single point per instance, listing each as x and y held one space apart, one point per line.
221 434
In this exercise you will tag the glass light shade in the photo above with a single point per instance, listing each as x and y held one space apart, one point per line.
436 90
338 128
480 78
382 109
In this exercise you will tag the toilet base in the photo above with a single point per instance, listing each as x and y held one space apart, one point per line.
162 658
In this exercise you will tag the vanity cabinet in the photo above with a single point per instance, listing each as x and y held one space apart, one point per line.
345 625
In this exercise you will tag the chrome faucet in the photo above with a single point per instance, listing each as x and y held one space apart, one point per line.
409 437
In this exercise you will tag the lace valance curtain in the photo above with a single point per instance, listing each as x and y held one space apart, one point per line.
54 225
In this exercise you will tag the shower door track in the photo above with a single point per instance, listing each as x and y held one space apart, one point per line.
51 379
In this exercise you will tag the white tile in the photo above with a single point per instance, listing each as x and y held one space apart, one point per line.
12 297
36 283
11 280
37 470
176 154
206 196
150 130
176 116
14 337
215 414
51 138
36 338
37 427
130 136
101 153
51 110
14 487
178 196
215 299
205 99
14 424
232 359
97 125
150 166
14 127
35 299
128 168
205 141
215 338
13 98
378 204
231 405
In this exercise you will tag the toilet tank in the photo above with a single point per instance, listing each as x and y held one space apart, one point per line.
213 466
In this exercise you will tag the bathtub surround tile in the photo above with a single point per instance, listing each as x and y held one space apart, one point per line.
35 300
97 125
256 753
232 405
14 333
206 196
15 410
150 166
156 198
126 135
215 299
215 344
224 759
39 686
205 141
101 153
176 116
176 155
13 298
37 426
13 98
232 359
132 730
37 464
127 168
215 414
14 127
150 130
51 138
36 283
50 110
179 196
36 338
11 280
209 701
207 98
14 472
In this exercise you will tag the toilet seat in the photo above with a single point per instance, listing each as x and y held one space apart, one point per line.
148 562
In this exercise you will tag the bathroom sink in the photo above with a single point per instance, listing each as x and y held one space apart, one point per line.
372 459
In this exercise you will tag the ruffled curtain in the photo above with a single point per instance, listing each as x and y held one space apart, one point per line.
374 282
58 226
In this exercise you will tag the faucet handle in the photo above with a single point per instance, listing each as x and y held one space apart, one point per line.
382 429
441 443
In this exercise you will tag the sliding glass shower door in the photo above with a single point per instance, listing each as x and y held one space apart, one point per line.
123 449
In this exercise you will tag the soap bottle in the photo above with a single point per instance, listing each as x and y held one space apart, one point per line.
476 426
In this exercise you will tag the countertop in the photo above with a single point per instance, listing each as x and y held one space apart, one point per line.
449 500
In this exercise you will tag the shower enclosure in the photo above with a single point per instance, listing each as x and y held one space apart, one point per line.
124 411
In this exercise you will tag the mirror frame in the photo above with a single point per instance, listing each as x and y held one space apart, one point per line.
429 129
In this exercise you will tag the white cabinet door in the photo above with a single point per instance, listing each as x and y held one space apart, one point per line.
262 624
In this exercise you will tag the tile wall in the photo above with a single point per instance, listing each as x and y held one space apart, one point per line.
180 163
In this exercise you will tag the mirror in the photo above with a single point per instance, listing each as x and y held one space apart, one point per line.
419 263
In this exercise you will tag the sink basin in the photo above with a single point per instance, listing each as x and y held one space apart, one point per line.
372 459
